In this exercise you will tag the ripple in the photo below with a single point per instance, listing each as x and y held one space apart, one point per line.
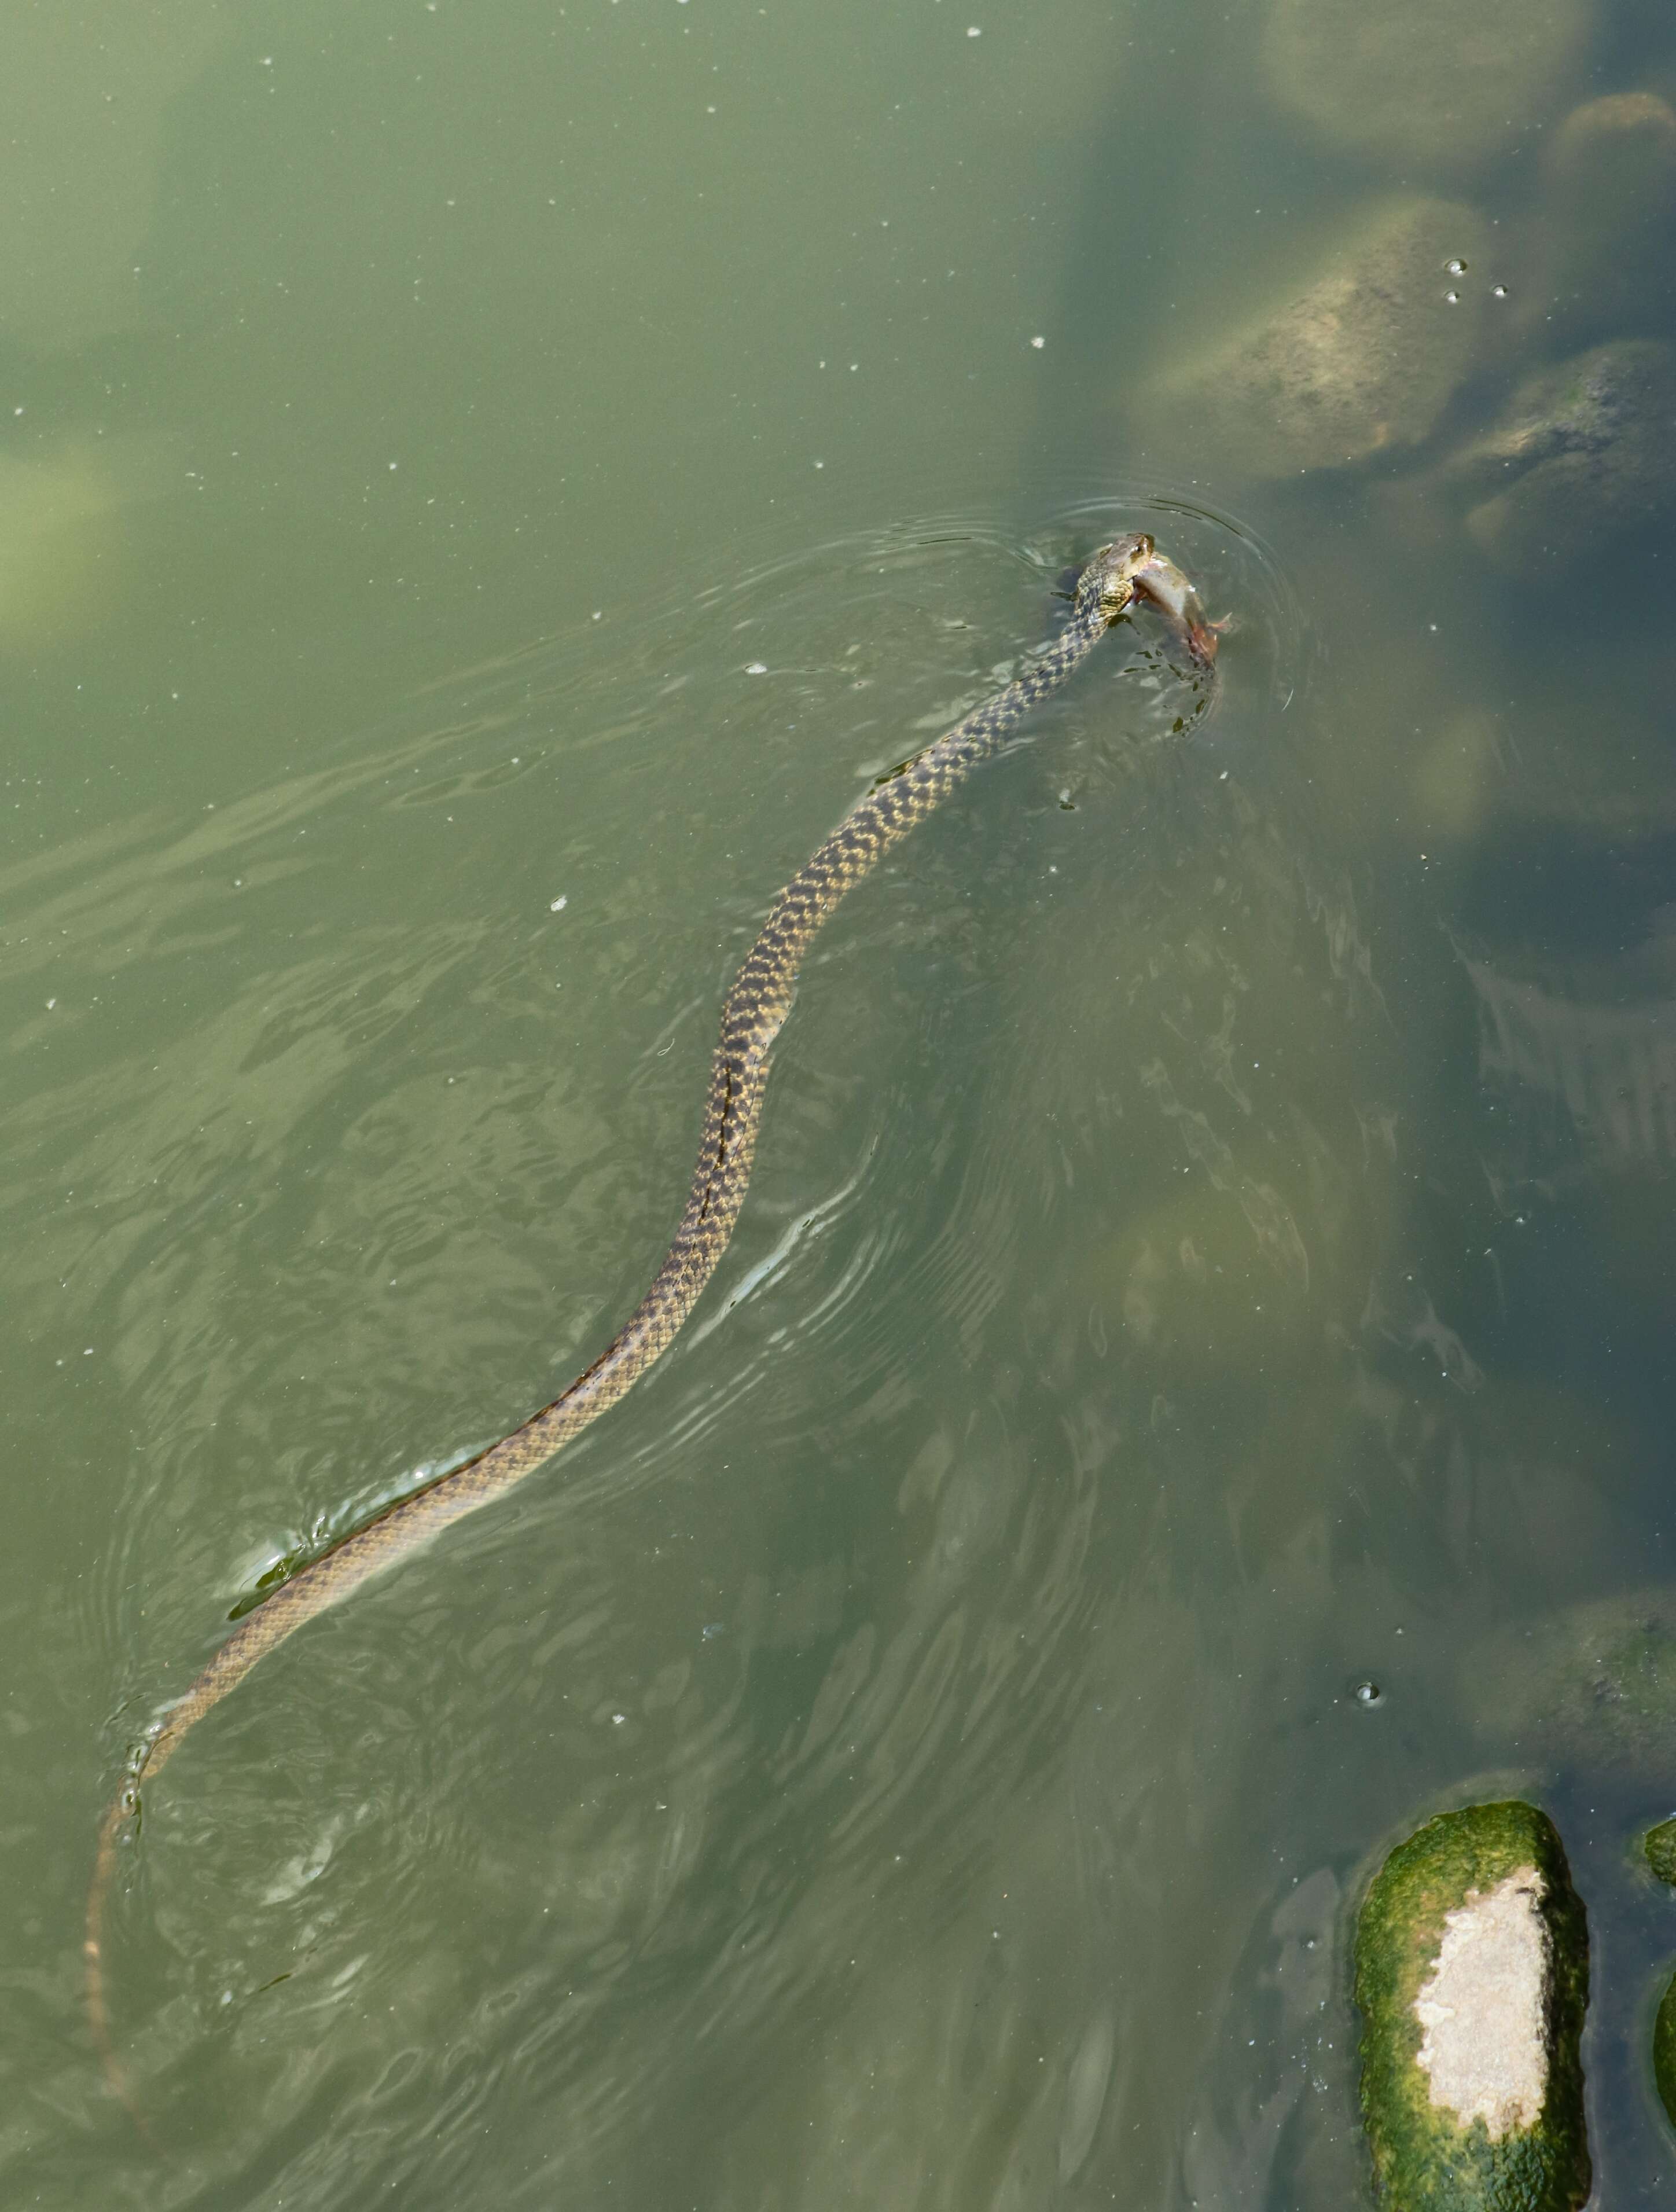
1269 653
396 1163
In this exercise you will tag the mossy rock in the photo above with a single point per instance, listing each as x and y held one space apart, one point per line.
1472 1978
1660 1845
1664 2052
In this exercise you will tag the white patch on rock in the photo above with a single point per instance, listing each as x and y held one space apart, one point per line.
1481 2009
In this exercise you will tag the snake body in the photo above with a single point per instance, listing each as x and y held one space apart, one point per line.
752 1014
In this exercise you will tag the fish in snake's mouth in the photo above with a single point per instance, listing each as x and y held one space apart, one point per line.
1160 585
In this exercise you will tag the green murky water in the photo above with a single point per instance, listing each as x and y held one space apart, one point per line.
481 490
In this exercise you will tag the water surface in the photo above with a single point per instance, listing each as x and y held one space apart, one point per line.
484 490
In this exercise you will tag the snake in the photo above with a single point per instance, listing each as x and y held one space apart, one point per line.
1127 572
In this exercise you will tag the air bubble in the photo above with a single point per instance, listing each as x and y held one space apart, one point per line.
1368 1693
1456 267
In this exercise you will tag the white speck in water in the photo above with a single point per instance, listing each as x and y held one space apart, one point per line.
756 668
51 1004
597 613
559 903
1038 344
617 1719
973 31
820 465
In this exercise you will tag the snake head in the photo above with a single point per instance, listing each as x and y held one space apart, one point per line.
1107 586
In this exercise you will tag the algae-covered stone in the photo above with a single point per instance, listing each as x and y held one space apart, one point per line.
1660 1845
1594 1685
1590 446
1358 354
1472 1978
1664 2052
1422 82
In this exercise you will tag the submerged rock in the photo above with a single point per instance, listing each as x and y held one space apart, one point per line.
1586 453
1456 770
1620 127
1596 1682
1215 1281
1604 228
1423 83
1472 1978
64 517
1360 353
